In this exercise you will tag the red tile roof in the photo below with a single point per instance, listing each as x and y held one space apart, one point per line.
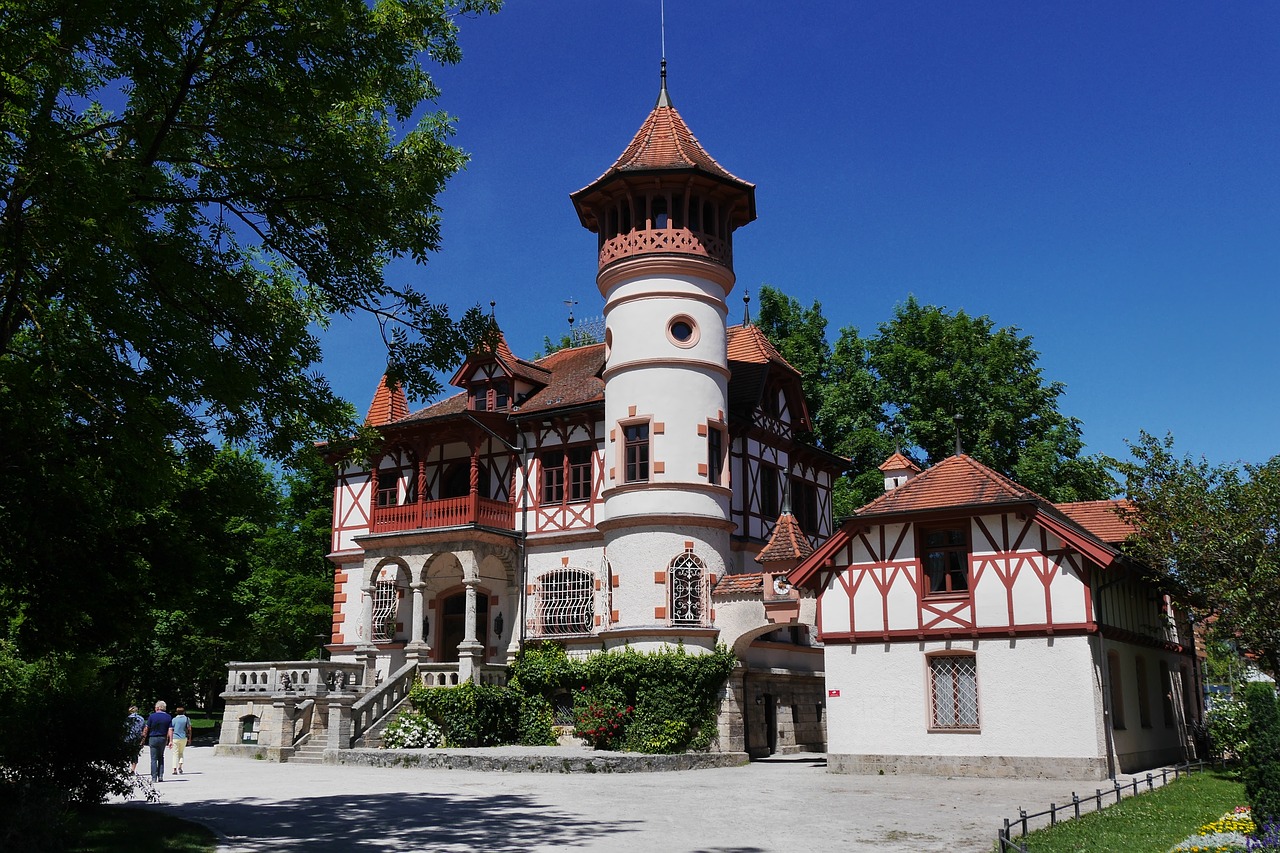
744 584
665 142
1103 519
898 462
962 483
389 404
787 542
748 344
570 378
954 482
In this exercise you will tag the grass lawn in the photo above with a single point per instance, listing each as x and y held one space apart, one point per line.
122 829
1151 822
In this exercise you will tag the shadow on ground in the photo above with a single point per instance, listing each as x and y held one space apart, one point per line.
400 822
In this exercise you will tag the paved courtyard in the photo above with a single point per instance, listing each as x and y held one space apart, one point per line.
789 803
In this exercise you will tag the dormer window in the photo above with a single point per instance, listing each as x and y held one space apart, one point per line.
491 396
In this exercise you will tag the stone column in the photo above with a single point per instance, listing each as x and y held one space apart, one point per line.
470 650
283 709
365 651
339 728
419 648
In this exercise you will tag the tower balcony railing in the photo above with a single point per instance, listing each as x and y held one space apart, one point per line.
449 512
658 241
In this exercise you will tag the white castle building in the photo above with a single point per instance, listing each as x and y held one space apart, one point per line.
618 493
651 489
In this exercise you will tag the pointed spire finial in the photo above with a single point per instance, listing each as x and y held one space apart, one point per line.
959 447
746 308
664 100
786 496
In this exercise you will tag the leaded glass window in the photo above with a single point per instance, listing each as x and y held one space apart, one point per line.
954 692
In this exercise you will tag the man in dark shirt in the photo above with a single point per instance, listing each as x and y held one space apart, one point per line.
158 734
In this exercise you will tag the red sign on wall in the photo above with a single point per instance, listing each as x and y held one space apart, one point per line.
833 694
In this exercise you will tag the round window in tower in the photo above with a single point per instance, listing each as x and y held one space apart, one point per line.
682 331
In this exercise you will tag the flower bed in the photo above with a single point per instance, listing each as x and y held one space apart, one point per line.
1234 832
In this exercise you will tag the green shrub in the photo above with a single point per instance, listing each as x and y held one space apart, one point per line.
1262 753
543 669
537 721
471 714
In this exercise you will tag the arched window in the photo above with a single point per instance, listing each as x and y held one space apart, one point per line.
566 602
687 575
249 729
386 600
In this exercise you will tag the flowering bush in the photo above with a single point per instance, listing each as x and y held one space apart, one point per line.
1266 837
411 731
1228 834
600 715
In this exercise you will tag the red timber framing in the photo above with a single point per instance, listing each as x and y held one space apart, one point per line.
563 436
1010 546
436 490
352 503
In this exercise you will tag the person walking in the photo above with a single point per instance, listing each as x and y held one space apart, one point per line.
134 724
181 736
159 736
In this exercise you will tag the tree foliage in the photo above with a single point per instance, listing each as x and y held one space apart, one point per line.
1214 531
923 375
188 191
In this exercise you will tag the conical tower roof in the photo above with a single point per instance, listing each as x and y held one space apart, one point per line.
389 404
664 144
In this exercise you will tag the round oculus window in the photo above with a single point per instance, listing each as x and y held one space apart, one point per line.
682 332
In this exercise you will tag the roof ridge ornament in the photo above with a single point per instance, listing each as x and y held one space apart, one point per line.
664 100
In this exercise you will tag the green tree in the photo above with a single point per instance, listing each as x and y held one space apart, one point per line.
1213 531
289 591
903 388
187 191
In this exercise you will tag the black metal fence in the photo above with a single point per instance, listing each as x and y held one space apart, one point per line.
1101 797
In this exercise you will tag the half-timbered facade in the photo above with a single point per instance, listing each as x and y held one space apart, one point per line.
971 627
604 495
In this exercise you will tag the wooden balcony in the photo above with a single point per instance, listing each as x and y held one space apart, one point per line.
450 512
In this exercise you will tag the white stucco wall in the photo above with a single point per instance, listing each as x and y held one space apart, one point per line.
1037 698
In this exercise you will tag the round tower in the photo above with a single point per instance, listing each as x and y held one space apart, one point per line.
664 214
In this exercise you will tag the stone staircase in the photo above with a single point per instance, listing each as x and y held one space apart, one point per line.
309 753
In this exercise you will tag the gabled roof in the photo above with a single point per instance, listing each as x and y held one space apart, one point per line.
787 542
512 366
898 462
956 481
389 404
963 485
751 359
571 378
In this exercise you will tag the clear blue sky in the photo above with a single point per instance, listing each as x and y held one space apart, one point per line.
1103 175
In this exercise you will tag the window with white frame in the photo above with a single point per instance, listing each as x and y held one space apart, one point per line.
566 602
953 692
385 601
687 574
